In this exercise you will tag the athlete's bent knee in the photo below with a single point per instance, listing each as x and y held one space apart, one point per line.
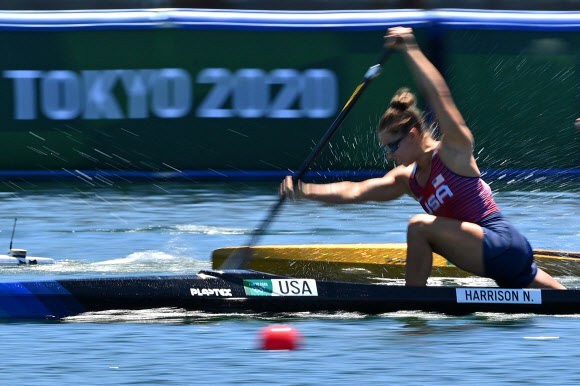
418 224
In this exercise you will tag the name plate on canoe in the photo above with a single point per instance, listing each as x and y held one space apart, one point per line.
281 287
499 295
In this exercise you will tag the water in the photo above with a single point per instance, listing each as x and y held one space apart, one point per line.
172 228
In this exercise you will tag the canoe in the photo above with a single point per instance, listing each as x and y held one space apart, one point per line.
243 291
368 262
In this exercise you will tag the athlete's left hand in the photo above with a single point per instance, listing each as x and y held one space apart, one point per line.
290 190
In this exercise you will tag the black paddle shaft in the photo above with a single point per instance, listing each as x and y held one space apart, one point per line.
241 259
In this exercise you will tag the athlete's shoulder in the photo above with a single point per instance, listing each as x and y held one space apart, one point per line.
459 161
401 171
400 176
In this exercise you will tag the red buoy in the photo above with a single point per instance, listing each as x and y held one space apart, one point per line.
280 337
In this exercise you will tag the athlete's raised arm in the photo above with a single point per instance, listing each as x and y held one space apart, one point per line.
389 187
433 87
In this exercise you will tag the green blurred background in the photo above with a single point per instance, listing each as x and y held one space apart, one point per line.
518 91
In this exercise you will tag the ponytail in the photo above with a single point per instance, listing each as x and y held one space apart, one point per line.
402 114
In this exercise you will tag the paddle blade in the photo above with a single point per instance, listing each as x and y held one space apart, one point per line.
238 259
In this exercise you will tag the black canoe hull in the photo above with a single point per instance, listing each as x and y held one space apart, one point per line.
251 291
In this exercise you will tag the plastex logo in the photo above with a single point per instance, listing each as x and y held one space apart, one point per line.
211 292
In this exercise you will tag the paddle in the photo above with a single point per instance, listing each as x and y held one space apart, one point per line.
239 259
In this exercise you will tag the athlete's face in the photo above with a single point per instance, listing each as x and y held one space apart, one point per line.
394 145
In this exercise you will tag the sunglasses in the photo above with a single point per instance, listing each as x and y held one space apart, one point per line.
394 146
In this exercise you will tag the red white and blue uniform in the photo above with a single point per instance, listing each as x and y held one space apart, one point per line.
450 195
508 256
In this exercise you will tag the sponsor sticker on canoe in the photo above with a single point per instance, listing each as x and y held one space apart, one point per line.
281 287
499 295
211 292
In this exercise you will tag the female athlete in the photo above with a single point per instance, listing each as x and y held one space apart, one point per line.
463 223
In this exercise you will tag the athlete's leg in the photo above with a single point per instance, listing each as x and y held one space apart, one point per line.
459 242
543 280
